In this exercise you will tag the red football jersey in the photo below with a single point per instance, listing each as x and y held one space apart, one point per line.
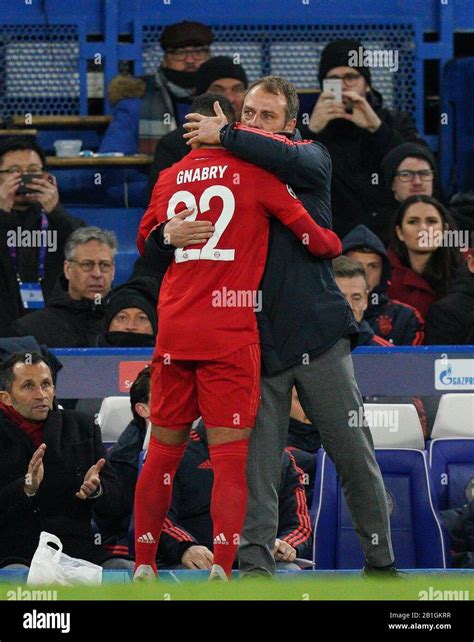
208 295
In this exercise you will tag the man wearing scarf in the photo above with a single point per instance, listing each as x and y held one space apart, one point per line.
53 472
147 108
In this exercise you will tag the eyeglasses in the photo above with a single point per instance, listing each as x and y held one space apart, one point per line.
407 175
88 266
31 169
350 78
198 53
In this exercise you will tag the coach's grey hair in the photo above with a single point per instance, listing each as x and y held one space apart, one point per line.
84 235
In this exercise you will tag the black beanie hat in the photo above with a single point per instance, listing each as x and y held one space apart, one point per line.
337 54
216 68
392 160
186 34
137 293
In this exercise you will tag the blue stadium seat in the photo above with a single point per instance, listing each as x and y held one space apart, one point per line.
419 540
452 471
124 222
457 137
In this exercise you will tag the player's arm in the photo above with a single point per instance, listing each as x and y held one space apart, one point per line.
281 201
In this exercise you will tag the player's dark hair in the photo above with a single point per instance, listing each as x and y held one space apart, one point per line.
444 261
140 393
19 144
347 268
204 105
280 86
6 367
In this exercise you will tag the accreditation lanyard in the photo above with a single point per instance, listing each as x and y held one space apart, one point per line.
12 250
31 293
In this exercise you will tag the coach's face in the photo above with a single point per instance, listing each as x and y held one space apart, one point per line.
266 111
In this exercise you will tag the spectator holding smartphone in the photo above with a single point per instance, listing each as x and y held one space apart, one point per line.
33 229
358 133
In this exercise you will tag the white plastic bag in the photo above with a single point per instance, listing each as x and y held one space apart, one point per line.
51 566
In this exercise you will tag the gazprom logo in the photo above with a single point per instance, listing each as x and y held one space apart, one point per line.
455 374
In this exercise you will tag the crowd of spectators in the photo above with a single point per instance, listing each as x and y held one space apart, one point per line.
407 272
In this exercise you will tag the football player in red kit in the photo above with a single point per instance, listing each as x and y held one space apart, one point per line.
207 356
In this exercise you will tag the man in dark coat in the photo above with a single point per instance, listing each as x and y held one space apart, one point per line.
53 474
450 320
26 210
357 134
219 75
74 316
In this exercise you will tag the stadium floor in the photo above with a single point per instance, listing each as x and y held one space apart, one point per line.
307 585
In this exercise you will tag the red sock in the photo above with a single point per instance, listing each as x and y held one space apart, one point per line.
153 498
228 499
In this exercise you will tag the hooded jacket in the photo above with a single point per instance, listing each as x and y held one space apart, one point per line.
450 321
59 222
409 287
64 322
358 194
394 321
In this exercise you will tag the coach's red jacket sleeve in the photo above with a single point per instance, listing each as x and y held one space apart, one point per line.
281 201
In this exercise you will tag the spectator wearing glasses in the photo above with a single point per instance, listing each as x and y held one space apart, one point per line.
147 108
74 316
358 133
33 229
218 75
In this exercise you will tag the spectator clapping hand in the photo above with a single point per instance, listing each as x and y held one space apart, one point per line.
91 483
35 473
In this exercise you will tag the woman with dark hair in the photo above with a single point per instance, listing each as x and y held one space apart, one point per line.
424 252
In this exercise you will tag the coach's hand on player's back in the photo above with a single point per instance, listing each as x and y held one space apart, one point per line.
283 552
197 557
180 233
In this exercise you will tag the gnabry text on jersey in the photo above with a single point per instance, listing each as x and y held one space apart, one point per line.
200 174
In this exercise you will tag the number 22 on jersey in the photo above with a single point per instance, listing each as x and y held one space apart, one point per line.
209 251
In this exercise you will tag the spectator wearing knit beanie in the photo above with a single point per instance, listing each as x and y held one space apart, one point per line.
358 134
130 318
220 75
408 170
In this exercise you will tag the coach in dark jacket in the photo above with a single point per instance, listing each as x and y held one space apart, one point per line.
357 135
450 320
53 473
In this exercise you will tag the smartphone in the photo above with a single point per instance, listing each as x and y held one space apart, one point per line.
24 179
333 86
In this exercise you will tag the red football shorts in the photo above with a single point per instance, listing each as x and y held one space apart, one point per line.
225 392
